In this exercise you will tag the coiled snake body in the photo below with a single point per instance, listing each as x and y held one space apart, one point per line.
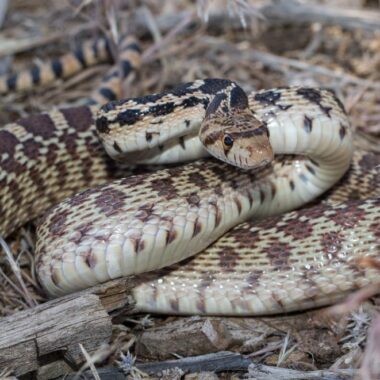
145 222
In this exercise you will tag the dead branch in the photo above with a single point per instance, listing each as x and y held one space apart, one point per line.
370 368
114 295
281 12
3 11
264 372
10 46
277 13
280 63
108 373
185 337
217 362
30 338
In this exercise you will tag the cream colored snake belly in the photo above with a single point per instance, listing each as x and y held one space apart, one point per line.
149 221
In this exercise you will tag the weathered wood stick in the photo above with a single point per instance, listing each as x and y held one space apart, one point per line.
294 12
222 362
108 373
33 337
264 372
276 13
256 371
217 362
56 326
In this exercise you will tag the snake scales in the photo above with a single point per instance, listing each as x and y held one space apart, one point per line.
304 259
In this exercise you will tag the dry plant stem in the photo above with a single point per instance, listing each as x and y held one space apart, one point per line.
17 272
149 53
59 93
278 62
279 12
168 49
355 99
3 10
89 363
354 300
360 296
275 13
270 348
14 46
284 353
370 368
10 282
282 12
290 11
157 38
263 372
107 373
112 9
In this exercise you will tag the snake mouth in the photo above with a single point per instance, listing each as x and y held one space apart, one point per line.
264 163
258 167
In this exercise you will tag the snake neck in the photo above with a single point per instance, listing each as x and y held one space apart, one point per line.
312 126
215 109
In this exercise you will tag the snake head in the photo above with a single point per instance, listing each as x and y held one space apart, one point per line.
237 137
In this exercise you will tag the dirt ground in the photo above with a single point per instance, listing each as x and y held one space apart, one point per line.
259 44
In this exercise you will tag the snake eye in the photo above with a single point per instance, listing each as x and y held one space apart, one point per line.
228 141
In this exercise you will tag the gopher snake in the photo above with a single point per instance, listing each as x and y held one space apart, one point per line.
154 220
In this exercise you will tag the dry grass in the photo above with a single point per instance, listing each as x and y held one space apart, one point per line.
254 52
